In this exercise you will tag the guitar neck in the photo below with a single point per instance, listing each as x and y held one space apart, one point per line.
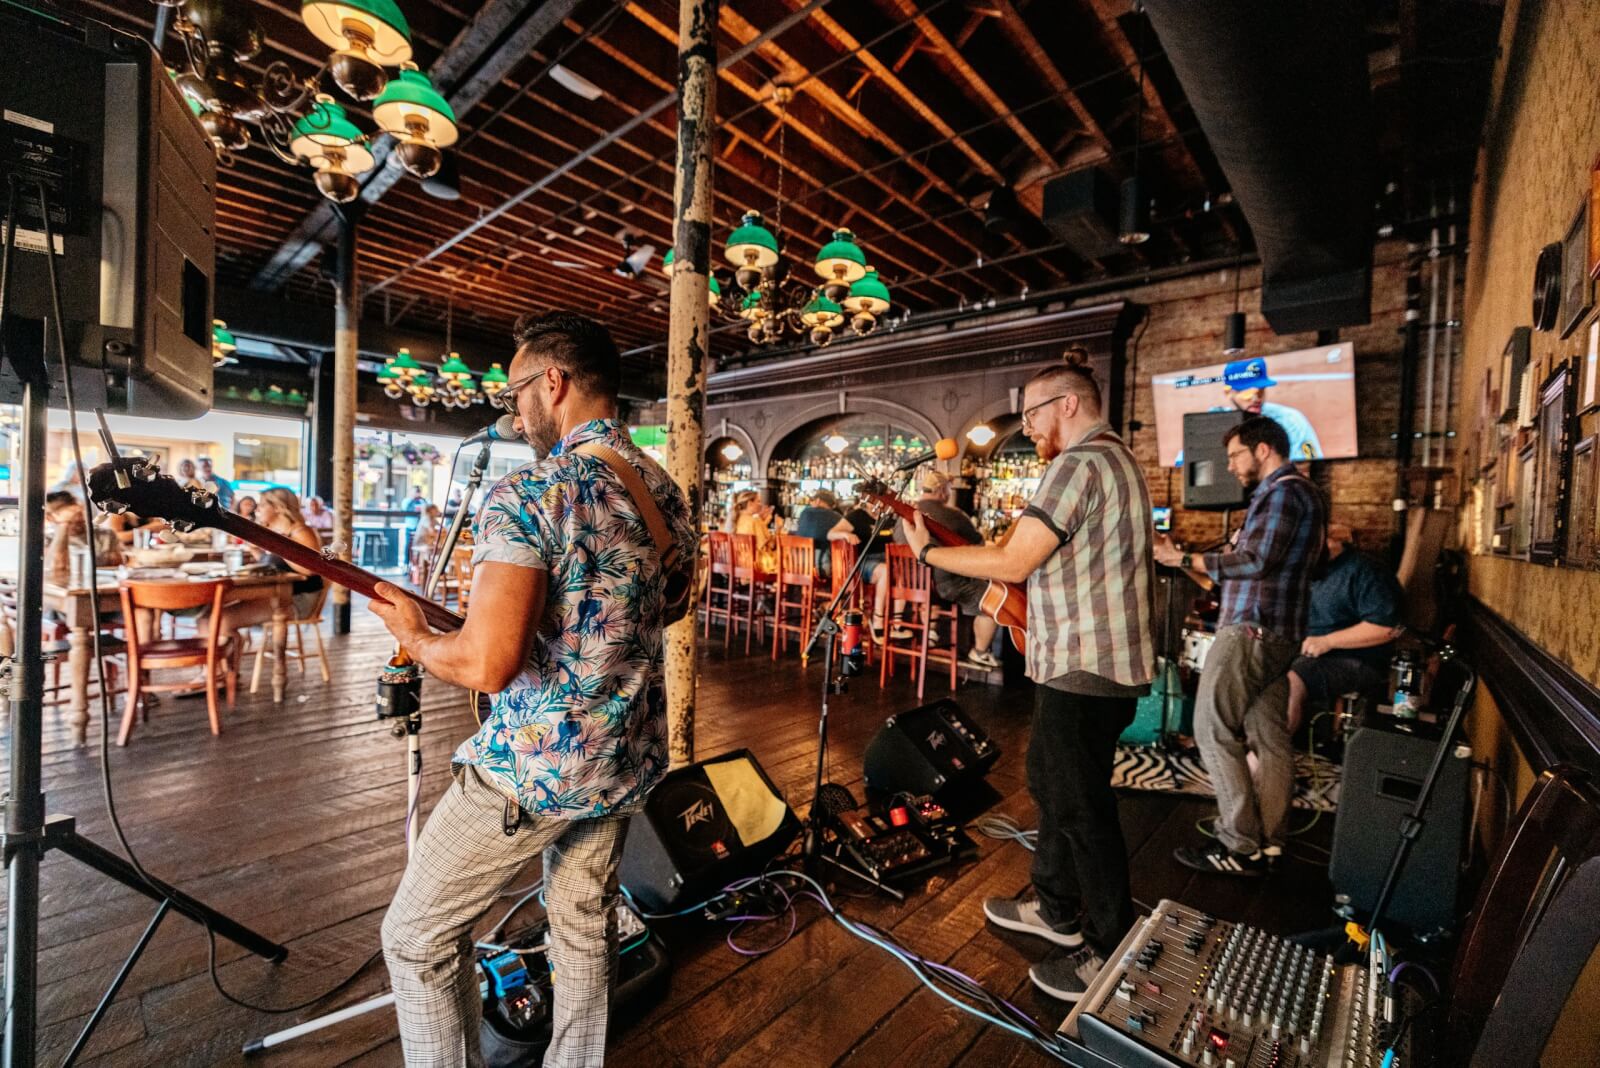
331 569
941 534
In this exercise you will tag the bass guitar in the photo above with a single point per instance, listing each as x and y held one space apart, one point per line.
1004 602
138 486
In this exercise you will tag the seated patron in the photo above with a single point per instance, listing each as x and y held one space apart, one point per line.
63 512
965 593
1351 624
319 517
751 516
815 521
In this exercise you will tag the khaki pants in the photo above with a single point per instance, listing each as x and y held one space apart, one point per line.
1243 704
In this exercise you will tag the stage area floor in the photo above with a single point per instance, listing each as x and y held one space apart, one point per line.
291 822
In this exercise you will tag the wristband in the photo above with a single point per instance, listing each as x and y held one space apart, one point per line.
922 557
1188 561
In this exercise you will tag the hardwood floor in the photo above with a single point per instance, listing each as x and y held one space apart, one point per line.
291 822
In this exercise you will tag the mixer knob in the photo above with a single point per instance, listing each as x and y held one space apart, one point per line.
1277 1030
1207 1057
1188 1042
1305 1045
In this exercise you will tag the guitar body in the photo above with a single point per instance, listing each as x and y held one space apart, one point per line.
1004 602
136 486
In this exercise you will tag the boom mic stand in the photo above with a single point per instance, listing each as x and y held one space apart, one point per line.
828 629
399 699
28 832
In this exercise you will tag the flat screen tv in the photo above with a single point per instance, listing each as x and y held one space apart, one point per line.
1312 392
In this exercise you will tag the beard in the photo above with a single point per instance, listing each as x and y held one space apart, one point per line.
540 428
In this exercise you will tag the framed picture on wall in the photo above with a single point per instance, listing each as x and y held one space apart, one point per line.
1522 510
1581 510
1552 445
1589 365
1577 288
1513 364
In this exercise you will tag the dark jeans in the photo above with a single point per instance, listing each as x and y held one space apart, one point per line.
1081 864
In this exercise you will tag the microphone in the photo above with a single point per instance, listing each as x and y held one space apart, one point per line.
943 449
502 429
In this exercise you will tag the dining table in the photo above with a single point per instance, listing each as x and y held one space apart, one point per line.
73 597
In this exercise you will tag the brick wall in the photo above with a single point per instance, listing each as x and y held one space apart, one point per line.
1184 329
1541 137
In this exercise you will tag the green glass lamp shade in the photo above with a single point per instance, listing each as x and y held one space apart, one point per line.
868 294
296 397
275 394
822 312
494 379
841 259
455 368
466 384
253 395
222 339
715 291
898 444
404 365
381 20
326 127
666 263
388 374
915 444
750 307
421 382
411 98
751 244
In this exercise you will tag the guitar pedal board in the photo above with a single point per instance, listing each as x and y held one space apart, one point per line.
912 836
1185 988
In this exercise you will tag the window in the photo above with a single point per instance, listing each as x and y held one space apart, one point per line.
271 460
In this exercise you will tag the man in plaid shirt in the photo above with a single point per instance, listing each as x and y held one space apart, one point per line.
1083 547
1266 591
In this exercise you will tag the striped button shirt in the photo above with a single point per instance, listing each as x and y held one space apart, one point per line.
1266 575
1090 604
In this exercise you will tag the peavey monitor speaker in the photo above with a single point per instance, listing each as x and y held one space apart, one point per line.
703 827
1383 773
929 749
1208 485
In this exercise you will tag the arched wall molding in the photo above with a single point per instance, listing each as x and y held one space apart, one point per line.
739 434
858 404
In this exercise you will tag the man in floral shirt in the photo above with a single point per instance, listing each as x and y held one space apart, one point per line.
565 629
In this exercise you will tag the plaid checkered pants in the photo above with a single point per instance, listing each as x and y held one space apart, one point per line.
463 860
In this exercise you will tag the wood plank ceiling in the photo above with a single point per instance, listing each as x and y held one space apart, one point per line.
907 115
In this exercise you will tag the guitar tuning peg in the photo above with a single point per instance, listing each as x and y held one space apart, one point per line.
333 551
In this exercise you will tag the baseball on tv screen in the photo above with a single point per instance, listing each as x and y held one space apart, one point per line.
1312 392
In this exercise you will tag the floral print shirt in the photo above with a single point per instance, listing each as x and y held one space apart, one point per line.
582 730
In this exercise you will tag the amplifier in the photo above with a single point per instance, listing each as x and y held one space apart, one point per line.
1383 771
927 749
1185 988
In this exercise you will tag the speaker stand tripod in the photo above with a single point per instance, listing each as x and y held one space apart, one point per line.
27 832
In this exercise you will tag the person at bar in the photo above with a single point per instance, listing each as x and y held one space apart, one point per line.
69 522
1266 590
565 629
820 515
215 482
965 593
753 517
1083 546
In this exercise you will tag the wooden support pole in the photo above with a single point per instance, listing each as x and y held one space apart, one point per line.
346 321
688 335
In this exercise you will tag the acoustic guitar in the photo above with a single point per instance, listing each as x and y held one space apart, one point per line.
1004 602
137 485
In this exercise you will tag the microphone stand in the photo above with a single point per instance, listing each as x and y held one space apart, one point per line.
827 630
400 699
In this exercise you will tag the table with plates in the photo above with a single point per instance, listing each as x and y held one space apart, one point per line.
74 599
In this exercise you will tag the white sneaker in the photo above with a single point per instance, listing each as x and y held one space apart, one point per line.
982 658
899 633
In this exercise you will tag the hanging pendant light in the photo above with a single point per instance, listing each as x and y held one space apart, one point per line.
839 263
1134 206
868 299
981 434
413 111
223 343
751 247
366 35
335 147
1233 327
494 380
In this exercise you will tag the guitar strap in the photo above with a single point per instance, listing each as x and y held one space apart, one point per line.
643 500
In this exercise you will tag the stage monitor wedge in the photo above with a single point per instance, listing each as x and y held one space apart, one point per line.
130 178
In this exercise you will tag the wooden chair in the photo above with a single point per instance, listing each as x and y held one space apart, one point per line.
456 580
209 651
56 646
841 561
912 583
312 619
719 552
797 589
750 584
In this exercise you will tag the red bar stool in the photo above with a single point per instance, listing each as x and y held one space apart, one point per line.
720 553
797 589
912 582
750 583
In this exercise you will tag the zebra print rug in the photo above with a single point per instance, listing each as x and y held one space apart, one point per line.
1139 767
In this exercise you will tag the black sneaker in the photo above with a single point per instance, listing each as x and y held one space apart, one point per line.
1067 975
1022 914
1214 858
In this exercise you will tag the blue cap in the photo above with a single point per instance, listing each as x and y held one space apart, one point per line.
1247 374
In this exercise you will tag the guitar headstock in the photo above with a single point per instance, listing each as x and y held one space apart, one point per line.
138 486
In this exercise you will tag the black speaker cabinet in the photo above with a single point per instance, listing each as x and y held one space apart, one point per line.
929 749
1080 208
1383 772
1208 485
703 827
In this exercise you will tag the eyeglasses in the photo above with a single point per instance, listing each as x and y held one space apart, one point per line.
1027 413
507 397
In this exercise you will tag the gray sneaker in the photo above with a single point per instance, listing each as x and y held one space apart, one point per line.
1022 914
1067 975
